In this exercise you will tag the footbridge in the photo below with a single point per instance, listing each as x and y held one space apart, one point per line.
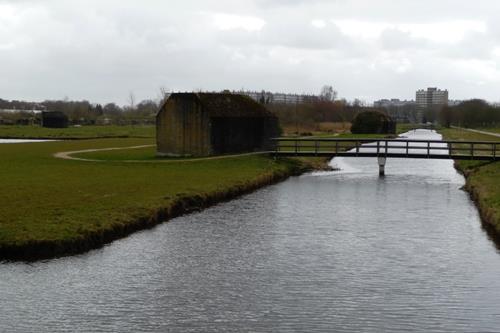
387 148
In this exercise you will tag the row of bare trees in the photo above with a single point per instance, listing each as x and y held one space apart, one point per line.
474 113
85 112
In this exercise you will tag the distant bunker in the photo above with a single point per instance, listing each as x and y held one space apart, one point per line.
54 119
373 122
203 124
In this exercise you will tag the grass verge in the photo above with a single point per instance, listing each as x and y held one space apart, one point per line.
482 179
83 132
52 207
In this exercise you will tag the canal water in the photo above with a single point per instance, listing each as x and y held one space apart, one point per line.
22 140
342 251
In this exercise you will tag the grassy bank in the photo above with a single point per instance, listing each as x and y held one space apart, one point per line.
483 178
51 207
83 132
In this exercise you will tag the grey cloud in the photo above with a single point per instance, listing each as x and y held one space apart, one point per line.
395 39
300 34
473 46
102 50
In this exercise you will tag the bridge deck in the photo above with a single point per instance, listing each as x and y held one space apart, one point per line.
392 148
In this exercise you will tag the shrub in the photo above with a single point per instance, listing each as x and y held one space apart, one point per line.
373 122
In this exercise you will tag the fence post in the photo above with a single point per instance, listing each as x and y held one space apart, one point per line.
378 148
471 151
407 148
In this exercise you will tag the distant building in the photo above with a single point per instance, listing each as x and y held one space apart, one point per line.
432 99
54 119
266 97
454 102
202 124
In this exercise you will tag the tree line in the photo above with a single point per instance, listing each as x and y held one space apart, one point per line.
322 115
472 113
325 113
81 112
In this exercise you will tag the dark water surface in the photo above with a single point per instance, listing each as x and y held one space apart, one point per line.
337 251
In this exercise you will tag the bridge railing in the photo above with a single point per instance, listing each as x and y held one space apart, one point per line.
387 147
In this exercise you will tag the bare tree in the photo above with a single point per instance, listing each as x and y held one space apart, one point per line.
357 103
328 94
164 94
131 101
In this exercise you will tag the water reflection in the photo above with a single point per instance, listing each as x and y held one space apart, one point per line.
22 140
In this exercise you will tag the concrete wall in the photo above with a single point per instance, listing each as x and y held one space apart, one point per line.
182 129
185 128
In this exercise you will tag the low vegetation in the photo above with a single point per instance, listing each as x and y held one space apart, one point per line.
373 122
51 206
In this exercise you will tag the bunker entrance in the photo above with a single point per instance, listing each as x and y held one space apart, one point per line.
231 135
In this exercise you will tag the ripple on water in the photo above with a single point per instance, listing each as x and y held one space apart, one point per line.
338 251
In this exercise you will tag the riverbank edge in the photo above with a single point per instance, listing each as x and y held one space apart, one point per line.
488 217
36 250
477 187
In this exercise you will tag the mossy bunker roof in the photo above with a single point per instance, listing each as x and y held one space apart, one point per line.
219 105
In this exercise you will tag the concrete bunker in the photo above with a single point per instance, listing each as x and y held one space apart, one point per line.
203 124
54 119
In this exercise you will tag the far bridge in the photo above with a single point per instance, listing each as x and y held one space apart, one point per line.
387 148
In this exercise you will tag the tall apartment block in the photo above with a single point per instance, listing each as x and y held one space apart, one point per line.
432 99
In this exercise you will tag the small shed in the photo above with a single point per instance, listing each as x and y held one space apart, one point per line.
203 124
54 119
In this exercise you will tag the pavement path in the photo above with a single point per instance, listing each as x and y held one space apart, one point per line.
477 131
67 155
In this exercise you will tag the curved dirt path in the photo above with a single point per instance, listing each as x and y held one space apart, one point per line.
67 155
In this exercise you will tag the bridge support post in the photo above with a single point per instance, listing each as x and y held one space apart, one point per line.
381 165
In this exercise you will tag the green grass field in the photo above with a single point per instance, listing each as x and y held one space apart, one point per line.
483 178
141 154
83 132
52 201
490 129
461 134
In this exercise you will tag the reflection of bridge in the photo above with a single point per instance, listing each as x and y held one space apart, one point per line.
388 148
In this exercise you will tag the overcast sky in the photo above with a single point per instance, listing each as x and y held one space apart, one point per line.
101 50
